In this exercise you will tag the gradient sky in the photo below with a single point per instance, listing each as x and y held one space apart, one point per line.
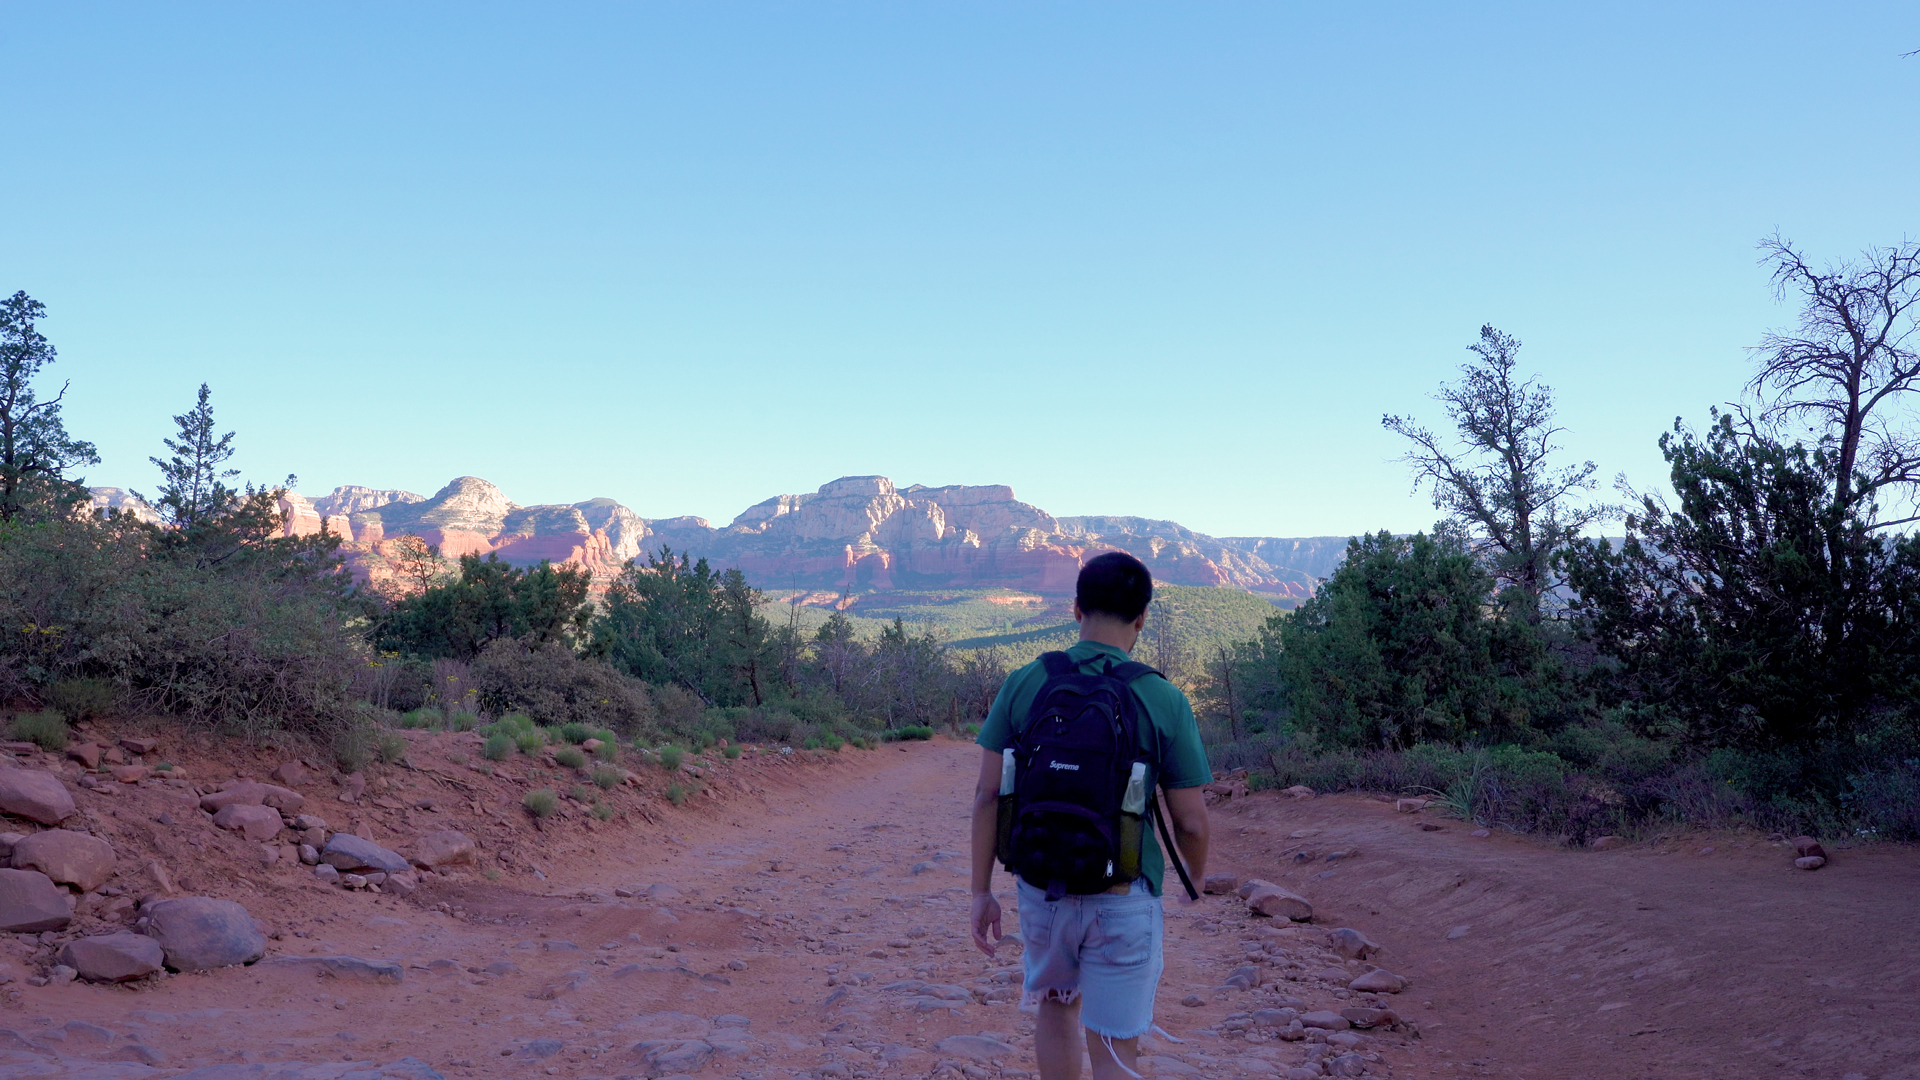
1167 260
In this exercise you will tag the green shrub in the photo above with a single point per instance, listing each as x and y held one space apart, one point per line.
391 747
607 777
670 758
581 793
732 751
46 729
81 699
813 743
462 720
165 766
575 732
541 802
355 746
602 811
608 750
912 732
530 742
832 742
456 757
570 756
499 746
677 793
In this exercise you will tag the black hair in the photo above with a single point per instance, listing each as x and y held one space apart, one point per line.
1115 584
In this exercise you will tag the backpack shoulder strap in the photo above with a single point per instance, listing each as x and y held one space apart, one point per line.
1056 663
1132 671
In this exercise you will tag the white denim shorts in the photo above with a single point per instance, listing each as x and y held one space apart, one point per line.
1103 951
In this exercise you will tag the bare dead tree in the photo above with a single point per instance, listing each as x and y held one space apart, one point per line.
1847 367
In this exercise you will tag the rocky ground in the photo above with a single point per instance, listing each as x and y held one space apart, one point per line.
805 917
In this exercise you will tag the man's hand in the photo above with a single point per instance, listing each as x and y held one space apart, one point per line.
986 919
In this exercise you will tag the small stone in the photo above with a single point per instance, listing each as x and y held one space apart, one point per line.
201 932
349 852
352 786
1604 843
353 881
30 902
130 774
1362 1017
308 855
61 975
113 957
327 872
1275 1018
401 884
1298 791
1410 806
81 1031
1274 901
1428 826
1352 944
1325 1020
253 793
1193 1001
255 822
290 773
1378 981
68 858
1458 932
1481 833
35 795
447 847
140 1052
87 754
1222 883
1348 1065
1807 845
139 745
7 840
1708 850
978 1048
877 954
345 967
1810 862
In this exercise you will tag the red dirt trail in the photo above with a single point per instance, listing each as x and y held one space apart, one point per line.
828 909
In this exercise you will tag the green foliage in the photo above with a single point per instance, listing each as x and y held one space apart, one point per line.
576 732
391 748
830 741
671 757
541 802
915 733
680 622
46 729
556 686
499 746
530 742
606 777
355 746
1401 645
731 752
36 452
571 757
581 794
82 699
677 793
489 601
602 811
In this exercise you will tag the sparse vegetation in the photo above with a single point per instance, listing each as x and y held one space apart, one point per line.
602 811
571 757
530 742
913 732
541 802
81 699
677 793
46 729
670 758
499 746
391 748
731 752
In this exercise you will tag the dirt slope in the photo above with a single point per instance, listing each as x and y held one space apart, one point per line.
815 926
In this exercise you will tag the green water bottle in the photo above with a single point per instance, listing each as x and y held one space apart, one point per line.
1133 809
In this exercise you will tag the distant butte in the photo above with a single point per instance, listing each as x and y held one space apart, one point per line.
857 532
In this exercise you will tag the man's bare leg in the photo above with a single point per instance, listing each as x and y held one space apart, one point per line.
1055 1049
1104 1065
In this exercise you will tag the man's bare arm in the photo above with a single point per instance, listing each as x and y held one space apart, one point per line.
986 831
1187 808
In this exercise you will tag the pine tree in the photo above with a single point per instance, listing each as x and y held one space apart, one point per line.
193 488
35 450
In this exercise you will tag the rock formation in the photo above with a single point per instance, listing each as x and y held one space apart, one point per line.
857 532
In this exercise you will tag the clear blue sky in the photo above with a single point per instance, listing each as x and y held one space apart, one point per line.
1169 260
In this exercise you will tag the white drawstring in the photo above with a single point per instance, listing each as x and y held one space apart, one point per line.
1107 1041
1162 1032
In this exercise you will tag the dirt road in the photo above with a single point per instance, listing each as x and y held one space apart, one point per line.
820 931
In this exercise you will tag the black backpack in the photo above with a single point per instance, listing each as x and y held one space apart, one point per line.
1066 831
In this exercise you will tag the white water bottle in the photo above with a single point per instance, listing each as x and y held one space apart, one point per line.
1135 800
1006 771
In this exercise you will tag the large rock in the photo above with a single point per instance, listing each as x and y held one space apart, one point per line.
199 932
448 847
254 793
113 957
1276 902
69 858
1352 944
35 795
1221 883
255 822
346 851
30 902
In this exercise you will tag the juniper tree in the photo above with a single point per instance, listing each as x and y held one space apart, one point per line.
193 489
36 452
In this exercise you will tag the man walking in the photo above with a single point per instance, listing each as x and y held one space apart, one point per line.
1089 869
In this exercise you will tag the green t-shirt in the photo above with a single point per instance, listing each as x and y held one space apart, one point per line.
1167 723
